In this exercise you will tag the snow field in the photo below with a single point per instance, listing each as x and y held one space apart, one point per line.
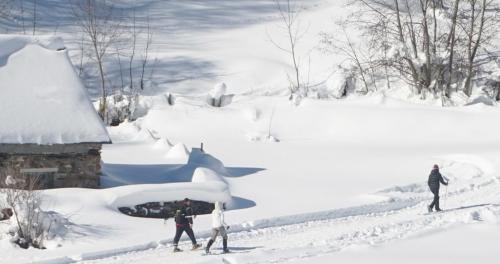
311 183
311 236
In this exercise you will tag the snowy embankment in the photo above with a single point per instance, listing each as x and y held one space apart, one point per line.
287 191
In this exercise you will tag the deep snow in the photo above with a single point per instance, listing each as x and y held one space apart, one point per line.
323 182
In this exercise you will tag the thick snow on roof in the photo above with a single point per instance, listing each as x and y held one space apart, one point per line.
42 100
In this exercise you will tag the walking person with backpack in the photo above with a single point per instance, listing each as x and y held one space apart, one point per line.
218 227
183 223
435 178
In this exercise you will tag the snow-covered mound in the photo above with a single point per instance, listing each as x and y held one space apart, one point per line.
206 175
218 91
161 143
42 99
178 152
130 195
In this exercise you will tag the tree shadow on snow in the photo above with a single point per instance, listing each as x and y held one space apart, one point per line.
467 207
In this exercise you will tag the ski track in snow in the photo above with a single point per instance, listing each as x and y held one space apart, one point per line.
290 238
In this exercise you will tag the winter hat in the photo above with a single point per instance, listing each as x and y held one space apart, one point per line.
436 167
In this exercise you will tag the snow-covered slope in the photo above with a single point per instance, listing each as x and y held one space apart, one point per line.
322 182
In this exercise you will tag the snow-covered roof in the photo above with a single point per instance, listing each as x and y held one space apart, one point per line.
42 100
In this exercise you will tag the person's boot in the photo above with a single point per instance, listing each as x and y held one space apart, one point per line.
207 249
196 246
177 249
224 246
437 207
429 209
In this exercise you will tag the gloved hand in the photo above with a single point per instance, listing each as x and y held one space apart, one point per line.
227 227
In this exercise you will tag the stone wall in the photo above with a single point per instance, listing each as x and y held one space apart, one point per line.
77 166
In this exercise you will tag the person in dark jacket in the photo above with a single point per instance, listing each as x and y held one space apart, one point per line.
183 223
435 178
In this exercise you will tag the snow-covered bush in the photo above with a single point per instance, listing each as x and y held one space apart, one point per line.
217 97
123 107
339 85
445 52
30 225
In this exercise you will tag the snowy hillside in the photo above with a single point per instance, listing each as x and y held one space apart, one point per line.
322 180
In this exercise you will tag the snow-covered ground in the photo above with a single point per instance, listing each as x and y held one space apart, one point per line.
313 194
326 181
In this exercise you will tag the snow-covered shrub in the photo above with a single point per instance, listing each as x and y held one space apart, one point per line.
339 85
30 225
492 86
118 109
481 99
123 107
217 97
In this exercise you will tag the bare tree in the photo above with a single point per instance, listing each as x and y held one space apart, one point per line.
360 65
435 43
145 56
21 3
289 16
451 45
102 29
5 9
474 35
118 56
35 5
132 52
82 55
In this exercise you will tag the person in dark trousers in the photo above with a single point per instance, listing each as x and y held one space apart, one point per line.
183 222
435 178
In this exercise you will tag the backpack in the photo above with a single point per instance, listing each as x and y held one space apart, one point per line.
178 216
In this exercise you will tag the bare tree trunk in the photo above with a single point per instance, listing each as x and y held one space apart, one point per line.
357 61
451 45
146 52
411 28
424 4
407 56
132 54
35 4
21 2
498 91
121 70
289 15
97 22
82 53
473 45
102 105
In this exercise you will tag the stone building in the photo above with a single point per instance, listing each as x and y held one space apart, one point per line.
49 130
